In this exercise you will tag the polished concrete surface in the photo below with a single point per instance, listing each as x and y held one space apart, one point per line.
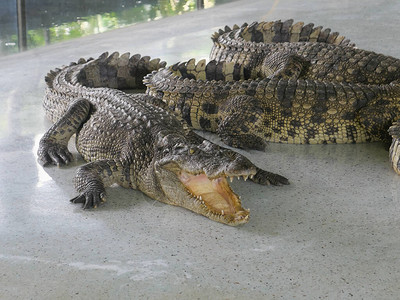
334 233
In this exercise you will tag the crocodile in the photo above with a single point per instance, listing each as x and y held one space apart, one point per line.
294 51
133 141
241 42
265 48
250 93
249 113
284 82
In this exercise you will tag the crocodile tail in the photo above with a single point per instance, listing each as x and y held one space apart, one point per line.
213 70
280 32
56 100
118 71
52 74
154 82
112 71
49 78
256 34
198 73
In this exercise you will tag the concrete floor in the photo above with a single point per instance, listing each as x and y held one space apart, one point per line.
334 233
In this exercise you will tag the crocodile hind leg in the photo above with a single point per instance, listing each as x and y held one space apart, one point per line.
284 66
376 119
53 146
92 179
240 121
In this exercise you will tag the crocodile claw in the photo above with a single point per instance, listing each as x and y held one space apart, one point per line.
90 199
267 178
394 130
54 154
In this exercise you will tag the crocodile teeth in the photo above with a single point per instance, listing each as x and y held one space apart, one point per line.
245 177
251 176
231 179
222 212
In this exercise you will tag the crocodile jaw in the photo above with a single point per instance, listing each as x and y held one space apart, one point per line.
194 176
213 198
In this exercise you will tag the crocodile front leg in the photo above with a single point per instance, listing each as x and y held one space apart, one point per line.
266 178
240 121
262 177
284 65
92 179
377 118
53 146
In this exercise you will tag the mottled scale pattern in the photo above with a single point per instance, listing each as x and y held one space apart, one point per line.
262 48
246 44
288 111
303 84
265 82
118 116
133 141
339 63
394 150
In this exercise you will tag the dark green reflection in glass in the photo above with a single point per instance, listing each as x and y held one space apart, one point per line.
57 21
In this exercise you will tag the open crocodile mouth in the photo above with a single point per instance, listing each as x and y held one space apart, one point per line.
215 197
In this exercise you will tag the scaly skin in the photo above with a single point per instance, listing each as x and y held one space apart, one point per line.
244 43
290 83
249 38
319 61
250 45
249 113
294 51
261 85
394 151
132 141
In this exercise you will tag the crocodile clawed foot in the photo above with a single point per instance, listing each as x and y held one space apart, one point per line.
245 142
394 130
266 178
54 154
90 199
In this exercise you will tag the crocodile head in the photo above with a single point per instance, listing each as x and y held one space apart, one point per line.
195 176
